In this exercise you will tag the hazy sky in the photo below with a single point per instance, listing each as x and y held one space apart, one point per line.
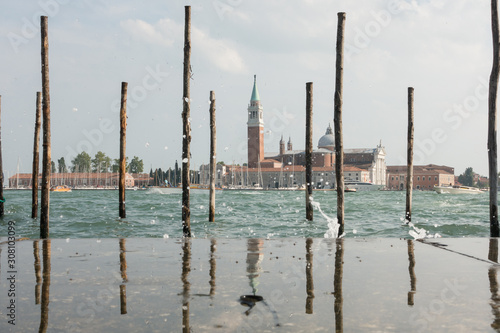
441 48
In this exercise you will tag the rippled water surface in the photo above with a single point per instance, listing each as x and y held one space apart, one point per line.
245 214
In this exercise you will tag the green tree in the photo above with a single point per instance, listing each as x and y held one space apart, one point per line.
81 163
101 162
136 165
53 167
61 165
116 165
467 178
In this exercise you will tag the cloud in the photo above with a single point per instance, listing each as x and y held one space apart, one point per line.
143 31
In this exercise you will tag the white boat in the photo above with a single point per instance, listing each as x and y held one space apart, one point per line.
165 190
457 189
361 186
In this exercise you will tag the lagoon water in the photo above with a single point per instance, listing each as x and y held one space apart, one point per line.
247 214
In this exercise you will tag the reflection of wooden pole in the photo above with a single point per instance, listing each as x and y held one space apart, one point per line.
213 262
492 124
36 153
309 276
409 167
186 126
44 309
411 269
186 268
123 271
309 148
123 142
495 298
493 250
337 284
2 199
38 274
337 119
213 152
46 160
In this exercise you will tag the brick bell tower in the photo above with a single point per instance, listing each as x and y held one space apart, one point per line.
255 128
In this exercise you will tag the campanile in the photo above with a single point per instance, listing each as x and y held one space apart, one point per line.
255 126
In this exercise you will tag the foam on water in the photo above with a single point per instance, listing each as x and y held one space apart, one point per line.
421 233
333 225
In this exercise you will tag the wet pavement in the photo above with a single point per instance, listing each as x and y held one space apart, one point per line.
249 285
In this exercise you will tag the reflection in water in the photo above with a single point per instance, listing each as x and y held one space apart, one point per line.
337 284
186 268
44 310
309 276
411 269
123 271
38 273
213 247
492 276
493 250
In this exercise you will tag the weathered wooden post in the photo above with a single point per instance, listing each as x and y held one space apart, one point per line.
339 146
36 154
492 124
123 142
186 126
309 276
46 159
409 167
2 199
186 285
213 158
309 149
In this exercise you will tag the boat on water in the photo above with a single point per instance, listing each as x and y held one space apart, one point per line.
165 189
60 188
361 186
457 189
349 189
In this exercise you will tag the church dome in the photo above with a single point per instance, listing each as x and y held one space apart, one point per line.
327 141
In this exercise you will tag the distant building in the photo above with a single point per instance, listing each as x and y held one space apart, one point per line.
110 180
286 168
425 177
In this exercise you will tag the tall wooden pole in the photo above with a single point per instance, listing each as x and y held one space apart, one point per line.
339 146
186 126
123 132
492 124
46 160
409 167
213 157
2 199
337 285
36 154
309 149
38 273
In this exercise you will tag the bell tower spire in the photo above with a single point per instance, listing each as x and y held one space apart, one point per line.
255 126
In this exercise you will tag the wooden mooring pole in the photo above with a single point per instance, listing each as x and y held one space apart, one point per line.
213 158
492 124
123 142
36 157
409 167
2 199
339 146
186 126
309 148
46 159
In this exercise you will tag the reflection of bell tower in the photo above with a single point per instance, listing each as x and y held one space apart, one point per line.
255 128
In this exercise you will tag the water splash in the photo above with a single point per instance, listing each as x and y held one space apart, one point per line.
333 225
421 233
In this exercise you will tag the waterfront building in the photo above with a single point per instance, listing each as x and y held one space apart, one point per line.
425 177
82 179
